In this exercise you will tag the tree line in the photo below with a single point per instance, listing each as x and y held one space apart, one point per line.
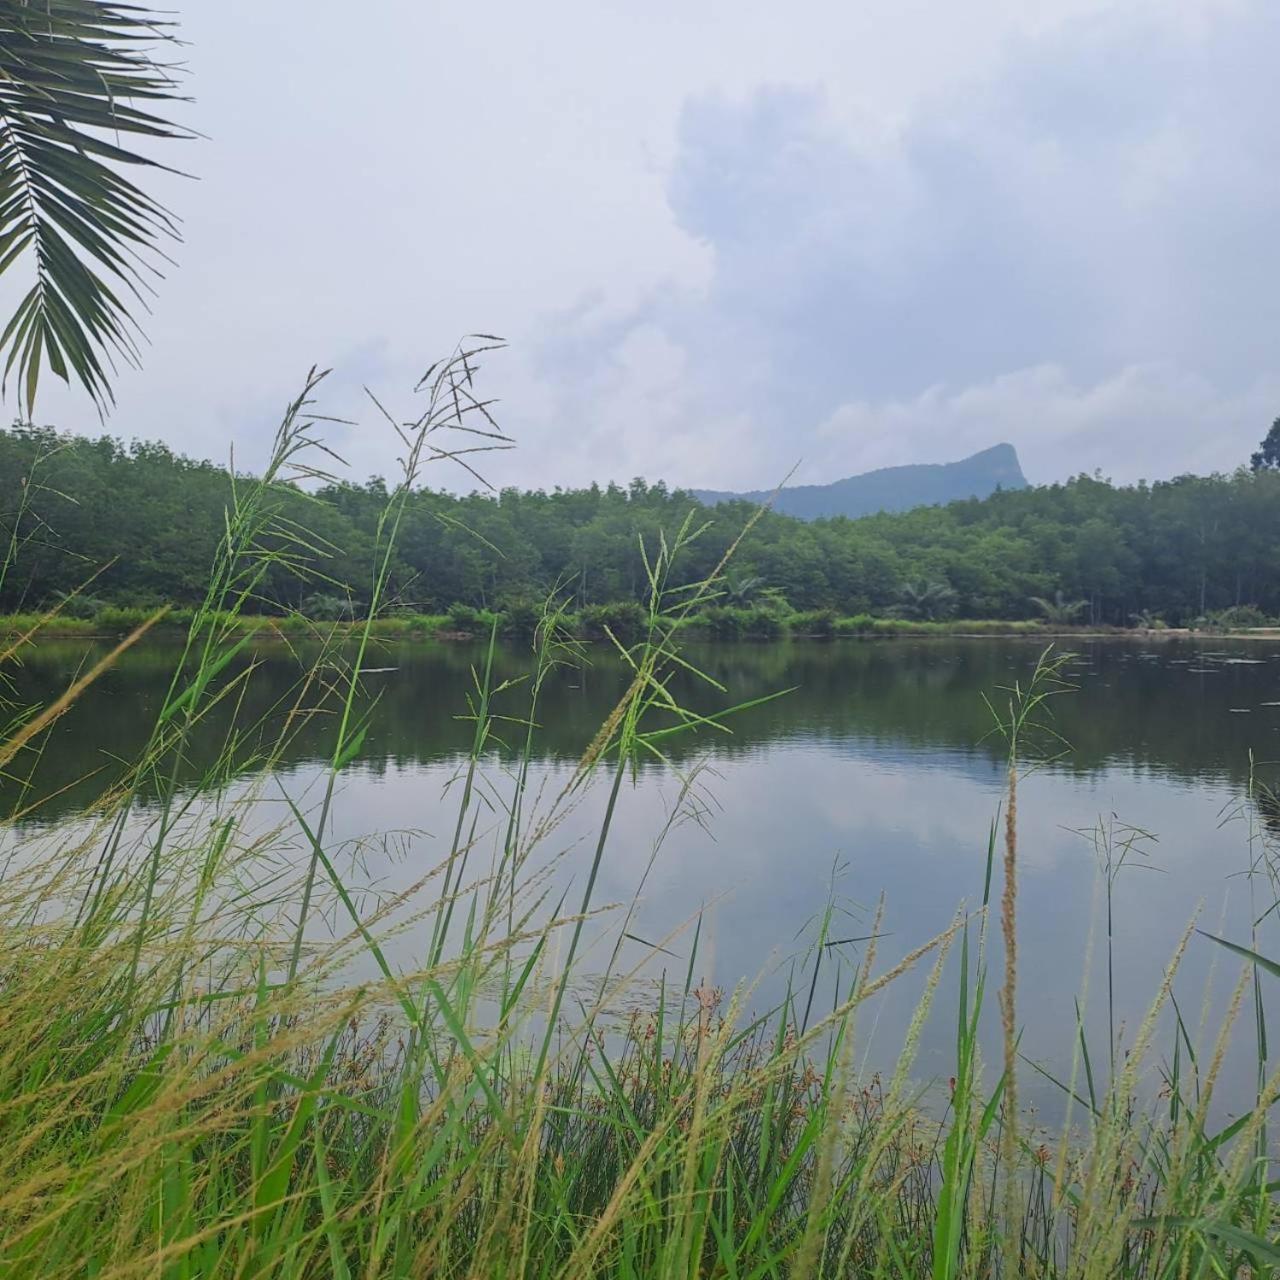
146 521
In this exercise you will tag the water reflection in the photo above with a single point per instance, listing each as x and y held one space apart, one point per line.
879 768
1178 708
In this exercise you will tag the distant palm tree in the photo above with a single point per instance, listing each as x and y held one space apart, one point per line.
77 81
741 591
1060 611
926 601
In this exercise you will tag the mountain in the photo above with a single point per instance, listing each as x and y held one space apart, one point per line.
893 488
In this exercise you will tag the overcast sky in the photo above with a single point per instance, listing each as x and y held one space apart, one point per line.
726 237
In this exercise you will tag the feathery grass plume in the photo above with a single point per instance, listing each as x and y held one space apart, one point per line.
1117 846
1113 1165
452 407
1026 729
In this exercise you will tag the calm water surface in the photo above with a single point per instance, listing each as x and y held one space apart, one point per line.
876 775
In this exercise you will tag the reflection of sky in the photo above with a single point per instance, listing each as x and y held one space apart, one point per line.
912 826
901 806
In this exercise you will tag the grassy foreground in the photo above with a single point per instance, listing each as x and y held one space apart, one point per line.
194 1084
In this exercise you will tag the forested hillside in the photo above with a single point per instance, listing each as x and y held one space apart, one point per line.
1176 549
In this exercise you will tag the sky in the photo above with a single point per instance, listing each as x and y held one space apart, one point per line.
726 239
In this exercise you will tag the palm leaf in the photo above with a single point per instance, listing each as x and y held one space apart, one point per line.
78 79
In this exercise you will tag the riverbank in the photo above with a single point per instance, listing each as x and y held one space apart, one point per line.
598 624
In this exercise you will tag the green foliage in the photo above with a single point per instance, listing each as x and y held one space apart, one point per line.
319 606
150 521
741 590
1267 458
1240 618
763 623
866 624
1060 611
625 621
78 605
721 622
466 621
79 86
774 600
926 601
126 617
861 624
819 623
724 622
520 620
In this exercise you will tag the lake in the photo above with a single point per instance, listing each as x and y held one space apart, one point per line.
876 774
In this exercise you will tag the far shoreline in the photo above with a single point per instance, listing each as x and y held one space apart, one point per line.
436 628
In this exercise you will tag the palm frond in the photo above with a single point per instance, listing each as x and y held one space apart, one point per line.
76 78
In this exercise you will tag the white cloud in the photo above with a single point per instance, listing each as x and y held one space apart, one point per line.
1071 250
707 231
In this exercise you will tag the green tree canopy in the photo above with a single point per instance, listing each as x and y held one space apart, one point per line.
1085 550
1268 454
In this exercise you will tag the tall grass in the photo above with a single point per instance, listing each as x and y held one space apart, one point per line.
215 1060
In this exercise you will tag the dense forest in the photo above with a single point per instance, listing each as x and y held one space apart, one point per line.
1174 550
